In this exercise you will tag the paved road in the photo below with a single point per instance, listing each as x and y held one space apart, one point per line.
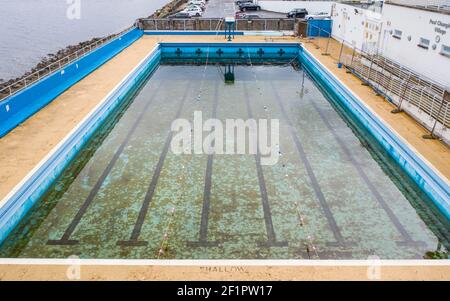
223 8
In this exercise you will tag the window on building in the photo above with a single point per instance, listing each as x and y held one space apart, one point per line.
424 43
445 50
397 34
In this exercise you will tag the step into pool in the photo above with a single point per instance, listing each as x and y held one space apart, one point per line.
333 193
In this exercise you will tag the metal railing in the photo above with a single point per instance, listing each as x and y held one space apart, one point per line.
30 79
210 24
424 99
437 5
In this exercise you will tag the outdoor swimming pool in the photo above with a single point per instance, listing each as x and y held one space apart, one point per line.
334 193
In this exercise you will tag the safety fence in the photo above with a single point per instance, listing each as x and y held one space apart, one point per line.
211 24
423 98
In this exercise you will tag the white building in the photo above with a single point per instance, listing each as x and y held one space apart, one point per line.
419 39
415 36
358 27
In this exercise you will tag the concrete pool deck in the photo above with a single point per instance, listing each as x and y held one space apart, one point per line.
232 271
28 144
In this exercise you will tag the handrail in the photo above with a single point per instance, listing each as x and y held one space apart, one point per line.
47 70
388 77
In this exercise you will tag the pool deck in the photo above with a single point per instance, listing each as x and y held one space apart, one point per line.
233 271
24 147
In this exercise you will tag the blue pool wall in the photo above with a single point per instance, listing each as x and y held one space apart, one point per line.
42 178
21 200
255 51
425 177
190 33
17 108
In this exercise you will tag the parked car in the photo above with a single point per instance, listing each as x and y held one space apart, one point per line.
297 13
193 11
239 2
238 15
249 6
195 6
180 15
200 3
318 16
197 2
250 16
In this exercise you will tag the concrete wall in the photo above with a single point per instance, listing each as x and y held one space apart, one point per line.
286 6
416 24
359 27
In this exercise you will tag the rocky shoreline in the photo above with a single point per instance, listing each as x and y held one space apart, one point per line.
48 64
168 9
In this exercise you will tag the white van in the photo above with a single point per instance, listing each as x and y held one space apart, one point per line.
193 11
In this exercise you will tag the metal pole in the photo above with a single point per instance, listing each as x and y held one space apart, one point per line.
351 62
318 41
340 52
402 96
368 72
328 43
431 135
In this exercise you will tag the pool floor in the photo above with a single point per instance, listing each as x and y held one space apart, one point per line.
127 195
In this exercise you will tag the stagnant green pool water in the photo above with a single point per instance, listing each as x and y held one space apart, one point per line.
334 194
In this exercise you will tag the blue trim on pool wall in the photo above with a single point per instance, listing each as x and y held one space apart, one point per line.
265 51
427 179
19 107
189 33
34 187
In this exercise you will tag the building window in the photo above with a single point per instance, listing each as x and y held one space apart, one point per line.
424 43
397 34
445 50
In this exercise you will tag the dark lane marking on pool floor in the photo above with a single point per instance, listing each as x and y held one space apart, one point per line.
340 242
203 236
65 239
134 239
271 236
407 240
